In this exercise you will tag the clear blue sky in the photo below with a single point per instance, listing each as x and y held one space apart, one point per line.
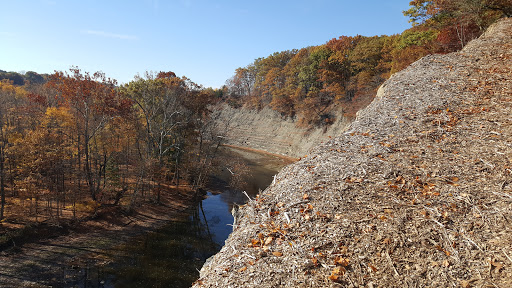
203 40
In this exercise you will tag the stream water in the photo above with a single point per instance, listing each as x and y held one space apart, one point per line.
173 255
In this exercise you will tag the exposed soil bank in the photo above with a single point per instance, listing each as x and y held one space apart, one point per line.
268 131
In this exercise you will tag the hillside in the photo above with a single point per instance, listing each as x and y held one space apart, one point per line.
417 192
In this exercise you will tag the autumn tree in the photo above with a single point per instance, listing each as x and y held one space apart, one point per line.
10 97
45 153
458 21
161 118
241 85
93 101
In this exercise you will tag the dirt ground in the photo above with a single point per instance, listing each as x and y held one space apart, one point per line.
417 192
58 254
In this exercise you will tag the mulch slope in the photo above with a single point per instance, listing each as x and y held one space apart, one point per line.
416 193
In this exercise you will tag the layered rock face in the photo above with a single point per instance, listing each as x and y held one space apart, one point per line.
268 131
417 192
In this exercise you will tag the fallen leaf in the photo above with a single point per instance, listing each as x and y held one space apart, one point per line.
446 263
268 240
465 284
337 273
242 269
341 261
278 254
334 278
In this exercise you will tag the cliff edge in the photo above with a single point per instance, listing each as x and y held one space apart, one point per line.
417 192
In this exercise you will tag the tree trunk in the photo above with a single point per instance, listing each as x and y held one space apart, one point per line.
88 171
2 183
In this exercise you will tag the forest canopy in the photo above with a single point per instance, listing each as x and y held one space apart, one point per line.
313 84
81 138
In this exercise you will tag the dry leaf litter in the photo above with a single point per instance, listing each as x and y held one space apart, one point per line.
416 193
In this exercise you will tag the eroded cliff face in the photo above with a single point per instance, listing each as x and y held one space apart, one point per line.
417 192
266 130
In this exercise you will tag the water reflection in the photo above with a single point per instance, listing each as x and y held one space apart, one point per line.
168 257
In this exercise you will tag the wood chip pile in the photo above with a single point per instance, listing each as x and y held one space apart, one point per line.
416 193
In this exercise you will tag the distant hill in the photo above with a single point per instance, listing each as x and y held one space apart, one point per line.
22 79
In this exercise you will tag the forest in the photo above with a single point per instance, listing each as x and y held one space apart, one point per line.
79 141
314 84
73 141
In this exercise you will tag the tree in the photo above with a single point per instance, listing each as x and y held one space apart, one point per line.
176 133
15 78
93 101
241 85
9 97
161 117
459 21
45 154
337 71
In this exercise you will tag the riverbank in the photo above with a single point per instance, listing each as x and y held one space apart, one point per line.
139 247
60 254
257 151
266 130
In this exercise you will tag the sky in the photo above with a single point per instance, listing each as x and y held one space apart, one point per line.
204 40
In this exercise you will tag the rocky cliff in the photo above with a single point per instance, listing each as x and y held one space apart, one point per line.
267 130
417 192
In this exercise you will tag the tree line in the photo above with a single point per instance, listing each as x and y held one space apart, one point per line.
80 140
312 84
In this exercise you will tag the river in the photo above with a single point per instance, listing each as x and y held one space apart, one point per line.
173 255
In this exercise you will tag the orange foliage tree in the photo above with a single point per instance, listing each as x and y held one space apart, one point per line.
94 102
